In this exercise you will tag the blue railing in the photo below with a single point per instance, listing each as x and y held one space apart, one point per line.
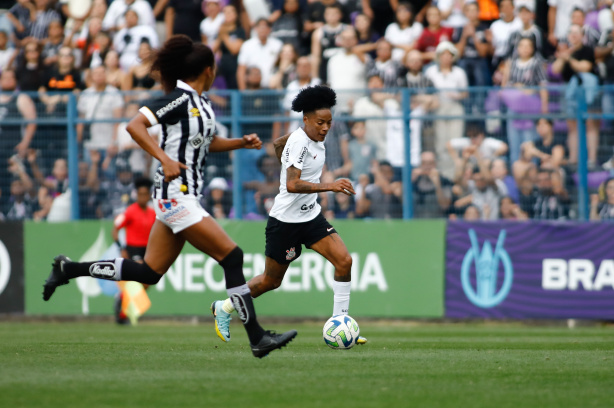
230 114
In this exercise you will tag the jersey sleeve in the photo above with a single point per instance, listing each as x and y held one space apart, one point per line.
295 154
167 109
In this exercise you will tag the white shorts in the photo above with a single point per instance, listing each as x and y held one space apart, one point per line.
179 213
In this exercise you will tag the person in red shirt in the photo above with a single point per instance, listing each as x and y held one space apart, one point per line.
137 220
433 35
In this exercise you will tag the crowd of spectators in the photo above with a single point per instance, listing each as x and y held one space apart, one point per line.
459 58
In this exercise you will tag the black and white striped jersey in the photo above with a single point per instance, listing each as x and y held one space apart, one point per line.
188 126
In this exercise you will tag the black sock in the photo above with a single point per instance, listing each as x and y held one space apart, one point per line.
239 294
117 269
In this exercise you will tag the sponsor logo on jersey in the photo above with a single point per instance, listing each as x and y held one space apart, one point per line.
165 205
239 304
305 207
103 270
302 156
195 112
197 141
290 254
329 229
172 105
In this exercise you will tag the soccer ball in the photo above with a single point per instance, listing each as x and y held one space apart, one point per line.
340 332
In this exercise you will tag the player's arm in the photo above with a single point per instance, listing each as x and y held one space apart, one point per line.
294 184
279 144
221 144
137 128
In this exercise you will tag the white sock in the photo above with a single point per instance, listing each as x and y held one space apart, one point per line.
341 298
228 307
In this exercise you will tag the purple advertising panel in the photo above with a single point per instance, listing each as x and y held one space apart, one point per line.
530 270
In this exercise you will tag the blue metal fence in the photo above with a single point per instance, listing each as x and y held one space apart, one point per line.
266 111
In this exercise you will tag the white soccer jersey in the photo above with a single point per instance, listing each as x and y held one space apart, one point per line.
307 156
188 126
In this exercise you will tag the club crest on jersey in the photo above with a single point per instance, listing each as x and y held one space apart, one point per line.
290 254
165 205
195 112
197 141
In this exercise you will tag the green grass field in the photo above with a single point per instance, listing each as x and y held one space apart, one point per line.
163 364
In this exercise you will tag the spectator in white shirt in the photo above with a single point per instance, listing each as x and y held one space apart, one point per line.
128 40
451 81
501 31
210 26
489 148
303 80
403 33
115 20
559 18
260 51
347 70
6 52
452 13
100 101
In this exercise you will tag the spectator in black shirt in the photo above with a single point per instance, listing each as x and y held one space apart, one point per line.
472 47
288 28
184 17
547 152
602 204
576 65
229 40
432 192
30 70
551 200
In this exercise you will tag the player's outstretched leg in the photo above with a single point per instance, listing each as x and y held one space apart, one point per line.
63 269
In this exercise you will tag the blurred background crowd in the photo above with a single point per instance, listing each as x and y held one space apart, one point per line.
493 101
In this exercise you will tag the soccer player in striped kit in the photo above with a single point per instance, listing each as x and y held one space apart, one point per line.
296 218
188 125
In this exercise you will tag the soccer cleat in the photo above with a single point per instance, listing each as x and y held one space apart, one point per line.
361 340
57 277
222 320
271 341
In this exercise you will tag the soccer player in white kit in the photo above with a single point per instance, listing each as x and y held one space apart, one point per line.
296 218
187 70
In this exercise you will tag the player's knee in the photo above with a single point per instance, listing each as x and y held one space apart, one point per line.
344 265
272 283
149 276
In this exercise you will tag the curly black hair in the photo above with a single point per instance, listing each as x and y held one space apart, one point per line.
314 98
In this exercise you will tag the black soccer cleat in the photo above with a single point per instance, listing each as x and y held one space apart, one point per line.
271 341
57 277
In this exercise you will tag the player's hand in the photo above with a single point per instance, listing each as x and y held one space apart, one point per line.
343 186
252 141
172 170
594 200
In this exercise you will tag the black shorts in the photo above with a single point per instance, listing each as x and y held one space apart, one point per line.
136 253
284 239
